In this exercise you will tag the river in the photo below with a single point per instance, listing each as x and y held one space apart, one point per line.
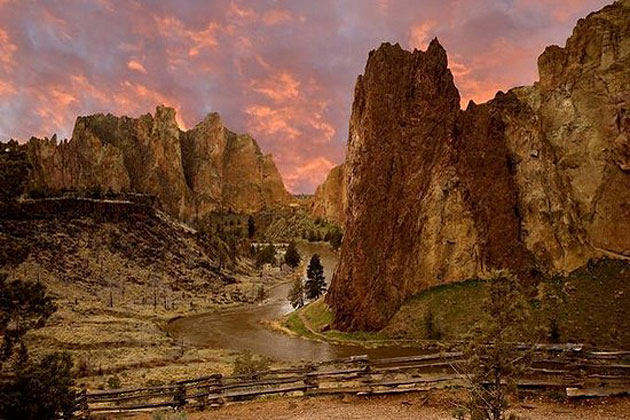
241 328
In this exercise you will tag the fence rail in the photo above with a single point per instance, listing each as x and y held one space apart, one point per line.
580 373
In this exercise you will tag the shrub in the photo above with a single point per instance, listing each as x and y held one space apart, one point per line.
39 390
113 382
432 326
296 294
292 256
267 255
246 363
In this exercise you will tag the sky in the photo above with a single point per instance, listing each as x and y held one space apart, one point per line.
281 70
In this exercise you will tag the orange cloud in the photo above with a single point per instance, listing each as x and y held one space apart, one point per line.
241 12
174 30
419 35
137 66
478 77
276 16
271 121
7 88
7 49
279 87
312 170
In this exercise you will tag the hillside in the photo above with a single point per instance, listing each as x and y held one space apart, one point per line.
534 181
119 270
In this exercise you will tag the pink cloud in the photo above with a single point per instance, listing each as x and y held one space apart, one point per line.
7 50
283 71
274 17
420 35
278 87
137 66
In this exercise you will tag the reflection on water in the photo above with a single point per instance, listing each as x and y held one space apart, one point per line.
241 329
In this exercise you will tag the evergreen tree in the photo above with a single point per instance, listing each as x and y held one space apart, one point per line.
266 256
292 256
335 238
315 280
493 358
296 294
30 390
39 390
14 170
251 227
24 305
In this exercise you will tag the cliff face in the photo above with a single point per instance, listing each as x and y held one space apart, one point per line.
535 178
330 199
191 172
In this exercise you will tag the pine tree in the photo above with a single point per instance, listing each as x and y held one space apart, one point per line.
251 227
296 294
315 282
267 255
292 256
493 358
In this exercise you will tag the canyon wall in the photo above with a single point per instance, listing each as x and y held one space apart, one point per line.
535 180
190 172
330 199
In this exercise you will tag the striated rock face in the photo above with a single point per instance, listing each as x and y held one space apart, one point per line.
191 172
330 199
535 179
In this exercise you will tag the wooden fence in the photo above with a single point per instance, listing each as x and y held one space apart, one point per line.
577 372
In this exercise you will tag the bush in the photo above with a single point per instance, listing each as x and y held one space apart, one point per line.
292 256
335 237
296 294
113 382
432 326
246 363
40 390
267 255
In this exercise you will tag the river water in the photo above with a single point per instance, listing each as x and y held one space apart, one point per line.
241 328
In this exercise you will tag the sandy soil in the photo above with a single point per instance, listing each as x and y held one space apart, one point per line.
418 406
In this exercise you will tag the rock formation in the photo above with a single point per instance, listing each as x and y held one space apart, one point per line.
330 198
537 179
190 172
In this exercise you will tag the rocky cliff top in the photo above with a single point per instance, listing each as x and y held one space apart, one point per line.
191 172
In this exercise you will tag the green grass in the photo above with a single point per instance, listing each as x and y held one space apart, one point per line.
295 324
320 316
593 308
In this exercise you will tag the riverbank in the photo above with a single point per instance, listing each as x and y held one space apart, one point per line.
587 306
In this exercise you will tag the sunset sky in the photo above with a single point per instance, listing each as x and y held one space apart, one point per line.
281 70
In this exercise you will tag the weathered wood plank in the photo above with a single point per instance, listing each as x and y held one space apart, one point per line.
596 392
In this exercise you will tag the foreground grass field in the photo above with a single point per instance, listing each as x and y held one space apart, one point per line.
590 305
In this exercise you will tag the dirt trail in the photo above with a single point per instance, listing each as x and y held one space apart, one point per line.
404 407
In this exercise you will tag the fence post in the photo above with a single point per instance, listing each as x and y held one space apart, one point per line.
180 397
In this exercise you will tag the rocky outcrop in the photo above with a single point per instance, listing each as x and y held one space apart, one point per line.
330 199
191 172
536 179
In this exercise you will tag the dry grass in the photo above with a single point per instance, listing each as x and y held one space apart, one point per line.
117 283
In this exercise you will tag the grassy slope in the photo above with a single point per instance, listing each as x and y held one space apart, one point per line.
126 255
594 309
